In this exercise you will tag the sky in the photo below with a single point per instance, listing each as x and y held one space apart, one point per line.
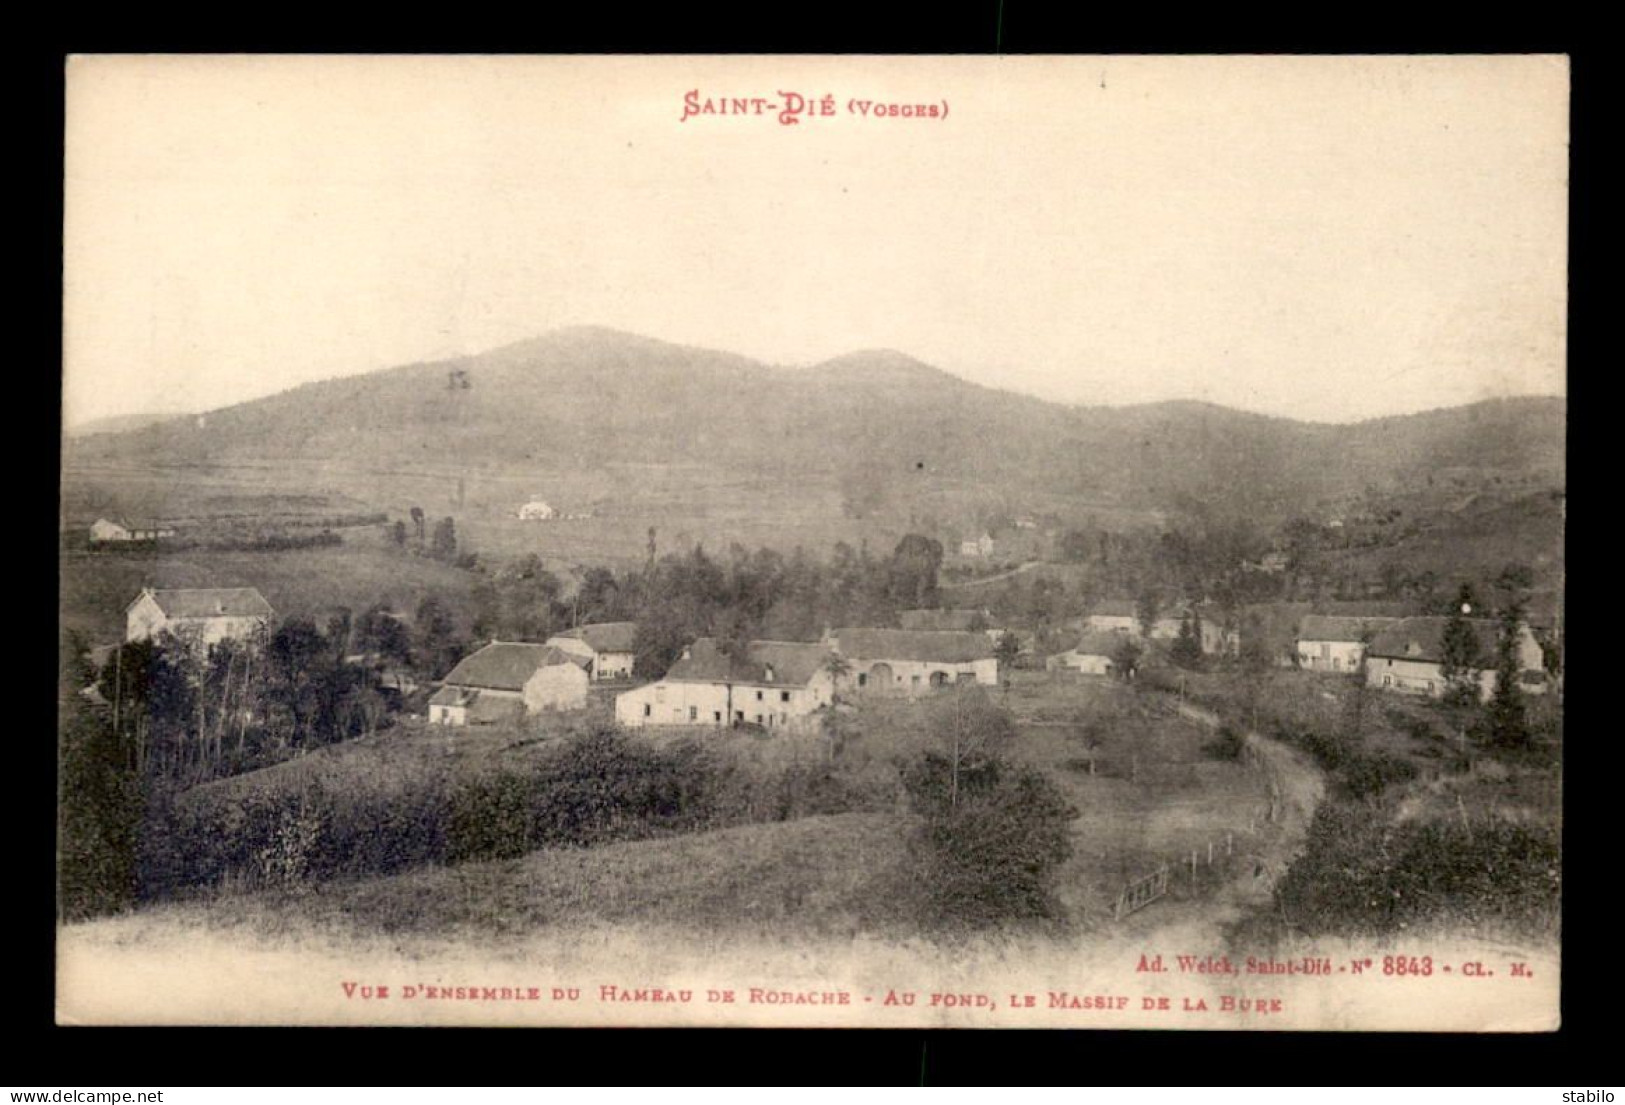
1329 239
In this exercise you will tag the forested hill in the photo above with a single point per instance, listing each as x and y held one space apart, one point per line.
589 396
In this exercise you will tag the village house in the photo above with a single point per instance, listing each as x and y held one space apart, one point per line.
104 530
1336 643
977 546
1094 654
536 511
903 661
1122 616
202 616
1408 657
773 685
506 680
606 646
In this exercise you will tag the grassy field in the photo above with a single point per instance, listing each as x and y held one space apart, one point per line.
96 587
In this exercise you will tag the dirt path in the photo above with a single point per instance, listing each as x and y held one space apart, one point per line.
1295 789
1027 567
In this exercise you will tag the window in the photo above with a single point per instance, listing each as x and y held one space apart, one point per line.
716 716
694 713
784 696
863 679
758 719
1387 681
914 680
1430 686
647 709
758 696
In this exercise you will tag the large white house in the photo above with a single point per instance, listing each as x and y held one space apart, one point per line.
1408 657
506 680
203 615
606 646
772 685
905 661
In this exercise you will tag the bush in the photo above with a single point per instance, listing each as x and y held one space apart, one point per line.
1227 745
1361 877
991 843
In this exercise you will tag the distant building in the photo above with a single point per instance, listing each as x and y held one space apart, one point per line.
105 530
1408 657
204 616
506 680
1122 616
606 646
1094 654
978 546
903 661
773 685
1113 616
536 511
1336 643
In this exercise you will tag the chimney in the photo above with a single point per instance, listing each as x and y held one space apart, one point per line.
688 652
769 673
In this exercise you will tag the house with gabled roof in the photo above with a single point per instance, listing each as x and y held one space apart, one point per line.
772 684
506 680
905 661
608 647
1408 657
199 615
1094 654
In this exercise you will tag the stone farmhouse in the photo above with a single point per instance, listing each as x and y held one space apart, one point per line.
903 661
506 680
203 616
607 647
1122 616
774 685
1407 657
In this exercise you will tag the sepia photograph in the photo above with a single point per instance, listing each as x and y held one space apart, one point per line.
991 542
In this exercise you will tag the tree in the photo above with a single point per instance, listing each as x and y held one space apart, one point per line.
1007 649
397 533
1459 660
417 520
1126 657
434 632
913 570
444 546
1508 719
1187 648
837 667
1145 610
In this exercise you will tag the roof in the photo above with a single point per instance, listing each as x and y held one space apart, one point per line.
1094 642
792 663
127 522
941 646
210 602
605 636
1327 627
1421 639
506 665
944 619
1115 608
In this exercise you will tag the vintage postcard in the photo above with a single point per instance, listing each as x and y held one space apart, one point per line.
1001 542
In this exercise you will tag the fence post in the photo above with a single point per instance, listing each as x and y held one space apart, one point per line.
1210 853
